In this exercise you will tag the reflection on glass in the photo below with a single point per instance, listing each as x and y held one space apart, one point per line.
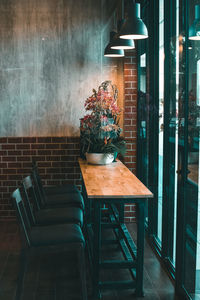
193 191
161 117
142 112
143 73
197 287
194 109
197 178
176 133
198 82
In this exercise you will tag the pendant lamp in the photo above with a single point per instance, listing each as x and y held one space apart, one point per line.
134 27
194 30
118 43
113 52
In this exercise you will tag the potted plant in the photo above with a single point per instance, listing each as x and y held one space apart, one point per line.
99 129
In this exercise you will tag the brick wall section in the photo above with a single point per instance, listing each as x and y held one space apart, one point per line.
130 119
57 162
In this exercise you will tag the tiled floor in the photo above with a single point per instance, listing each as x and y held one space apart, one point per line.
56 276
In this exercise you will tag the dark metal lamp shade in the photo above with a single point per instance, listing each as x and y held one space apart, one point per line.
118 43
109 52
134 27
194 30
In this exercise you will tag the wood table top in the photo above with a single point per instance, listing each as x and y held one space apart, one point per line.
114 180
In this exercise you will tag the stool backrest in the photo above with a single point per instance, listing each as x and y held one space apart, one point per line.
31 198
21 214
38 185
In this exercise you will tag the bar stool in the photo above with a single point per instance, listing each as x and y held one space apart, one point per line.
48 216
56 196
48 238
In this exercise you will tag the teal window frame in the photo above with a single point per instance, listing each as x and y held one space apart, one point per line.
147 154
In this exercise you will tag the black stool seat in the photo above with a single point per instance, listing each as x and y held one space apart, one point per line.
60 189
55 235
59 215
70 199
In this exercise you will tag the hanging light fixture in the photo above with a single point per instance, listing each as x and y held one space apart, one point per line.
109 52
134 27
194 30
118 43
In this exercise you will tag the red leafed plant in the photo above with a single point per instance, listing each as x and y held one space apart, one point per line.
100 130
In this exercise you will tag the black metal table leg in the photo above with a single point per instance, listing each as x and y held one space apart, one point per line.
121 213
140 249
97 248
87 204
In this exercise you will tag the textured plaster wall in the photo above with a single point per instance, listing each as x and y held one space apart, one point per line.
51 56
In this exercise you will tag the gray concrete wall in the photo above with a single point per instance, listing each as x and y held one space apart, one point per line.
51 56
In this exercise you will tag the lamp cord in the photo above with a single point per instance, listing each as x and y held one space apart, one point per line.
130 3
122 9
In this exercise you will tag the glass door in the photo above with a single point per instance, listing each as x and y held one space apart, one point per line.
191 234
171 125
188 249
169 133
143 109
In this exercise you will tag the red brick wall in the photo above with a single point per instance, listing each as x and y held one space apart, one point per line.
130 119
57 156
57 162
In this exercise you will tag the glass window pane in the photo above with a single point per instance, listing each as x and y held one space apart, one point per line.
192 234
161 117
176 115
197 287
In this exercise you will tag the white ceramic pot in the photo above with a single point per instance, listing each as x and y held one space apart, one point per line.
99 158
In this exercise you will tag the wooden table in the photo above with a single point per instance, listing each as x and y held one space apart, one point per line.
114 185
